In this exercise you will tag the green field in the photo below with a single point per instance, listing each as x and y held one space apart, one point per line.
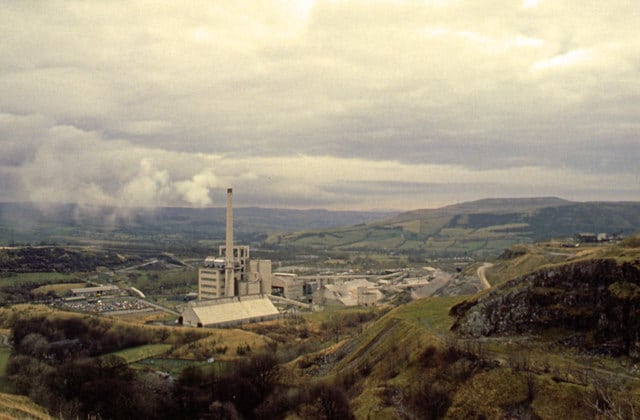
162 282
176 366
5 352
336 311
4 358
135 354
40 278
432 312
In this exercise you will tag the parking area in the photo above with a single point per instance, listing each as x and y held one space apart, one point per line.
109 305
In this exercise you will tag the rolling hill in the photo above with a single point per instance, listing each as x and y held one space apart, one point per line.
163 227
479 228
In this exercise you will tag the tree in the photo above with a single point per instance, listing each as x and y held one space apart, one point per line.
263 370
35 345
327 401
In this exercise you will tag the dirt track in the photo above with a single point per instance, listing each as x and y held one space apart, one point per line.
481 272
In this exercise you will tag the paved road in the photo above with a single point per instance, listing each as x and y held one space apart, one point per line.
138 266
481 272
160 307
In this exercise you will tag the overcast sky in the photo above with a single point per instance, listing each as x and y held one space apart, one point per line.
319 104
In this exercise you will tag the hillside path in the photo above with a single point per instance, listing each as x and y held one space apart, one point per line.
481 272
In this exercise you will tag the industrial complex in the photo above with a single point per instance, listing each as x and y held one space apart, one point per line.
233 288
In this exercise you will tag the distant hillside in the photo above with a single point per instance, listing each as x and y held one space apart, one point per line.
479 228
487 205
47 259
165 226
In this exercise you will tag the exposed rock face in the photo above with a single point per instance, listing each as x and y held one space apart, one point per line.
597 300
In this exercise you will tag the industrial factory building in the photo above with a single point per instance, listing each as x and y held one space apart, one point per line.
328 289
97 291
225 312
358 292
248 277
232 288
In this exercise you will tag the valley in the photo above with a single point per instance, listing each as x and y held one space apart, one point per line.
541 329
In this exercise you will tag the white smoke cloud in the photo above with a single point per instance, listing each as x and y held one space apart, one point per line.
196 190
150 186
70 165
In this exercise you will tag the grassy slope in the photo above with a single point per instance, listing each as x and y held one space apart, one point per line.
390 346
391 349
25 278
393 346
549 382
135 354
20 407
4 358
232 339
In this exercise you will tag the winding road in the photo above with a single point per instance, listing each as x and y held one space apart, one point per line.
481 272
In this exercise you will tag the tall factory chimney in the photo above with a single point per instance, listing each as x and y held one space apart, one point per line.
229 265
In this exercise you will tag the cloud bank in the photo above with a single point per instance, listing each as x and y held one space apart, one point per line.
335 104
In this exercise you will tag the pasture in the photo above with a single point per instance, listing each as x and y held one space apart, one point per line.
135 354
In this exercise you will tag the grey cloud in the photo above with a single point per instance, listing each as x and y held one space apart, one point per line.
150 87
20 136
72 165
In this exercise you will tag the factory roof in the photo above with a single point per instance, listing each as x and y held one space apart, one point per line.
222 312
96 289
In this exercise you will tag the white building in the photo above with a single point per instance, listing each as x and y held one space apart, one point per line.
350 293
250 277
226 312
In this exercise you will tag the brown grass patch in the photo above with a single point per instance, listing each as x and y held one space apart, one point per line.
14 407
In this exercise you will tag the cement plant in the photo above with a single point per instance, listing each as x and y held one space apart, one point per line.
233 288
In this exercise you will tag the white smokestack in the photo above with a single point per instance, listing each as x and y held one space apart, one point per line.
229 260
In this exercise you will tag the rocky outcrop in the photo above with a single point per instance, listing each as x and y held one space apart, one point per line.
597 303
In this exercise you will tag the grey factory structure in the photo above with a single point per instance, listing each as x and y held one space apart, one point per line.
235 289
232 288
